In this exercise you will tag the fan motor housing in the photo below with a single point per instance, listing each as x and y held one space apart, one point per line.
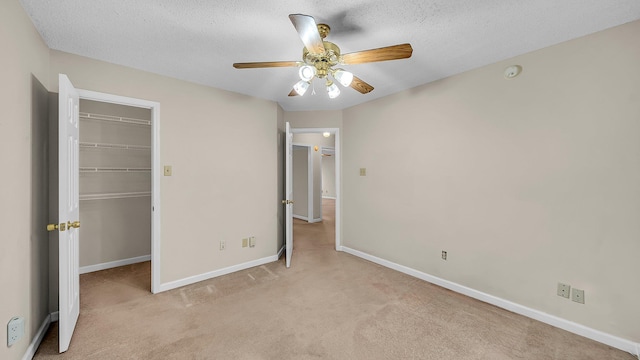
322 62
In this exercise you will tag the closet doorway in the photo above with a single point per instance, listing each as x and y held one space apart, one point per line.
119 183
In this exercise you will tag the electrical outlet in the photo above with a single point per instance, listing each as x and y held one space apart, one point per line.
245 242
223 245
252 241
167 170
577 295
15 330
563 290
363 171
444 255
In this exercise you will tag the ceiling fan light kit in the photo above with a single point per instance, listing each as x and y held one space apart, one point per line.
319 57
301 87
332 90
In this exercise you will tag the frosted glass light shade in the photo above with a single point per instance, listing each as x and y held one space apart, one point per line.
307 72
333 91
301 87
344 77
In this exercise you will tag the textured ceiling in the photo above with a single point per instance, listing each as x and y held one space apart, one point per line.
199 40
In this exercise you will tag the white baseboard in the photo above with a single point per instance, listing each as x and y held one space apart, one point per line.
329 197
315 220
37 339
209 275
55 316
280 252
112 264
593 334
300 217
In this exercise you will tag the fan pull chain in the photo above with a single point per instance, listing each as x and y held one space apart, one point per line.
313 88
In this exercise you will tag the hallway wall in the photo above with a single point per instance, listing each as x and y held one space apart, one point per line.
23 152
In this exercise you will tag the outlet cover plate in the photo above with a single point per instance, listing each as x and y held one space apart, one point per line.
577 295
444 255
15 330
564 290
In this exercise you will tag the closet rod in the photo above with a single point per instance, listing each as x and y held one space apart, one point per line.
119 119
109 169
90 145
107 196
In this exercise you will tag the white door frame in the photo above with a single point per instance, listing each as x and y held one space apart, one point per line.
155 170
336 133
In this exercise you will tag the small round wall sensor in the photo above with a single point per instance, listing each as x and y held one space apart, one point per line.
512 71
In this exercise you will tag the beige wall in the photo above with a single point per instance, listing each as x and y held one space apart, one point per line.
23 277
525 182
211 196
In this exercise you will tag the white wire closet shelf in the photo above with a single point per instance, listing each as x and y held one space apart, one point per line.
91 145
115 119
121 195
113 169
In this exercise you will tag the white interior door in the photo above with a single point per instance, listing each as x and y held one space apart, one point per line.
68 214
289 194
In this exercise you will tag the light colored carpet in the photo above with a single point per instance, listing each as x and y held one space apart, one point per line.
328 305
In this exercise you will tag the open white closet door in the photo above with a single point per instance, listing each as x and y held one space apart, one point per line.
68 214
289 194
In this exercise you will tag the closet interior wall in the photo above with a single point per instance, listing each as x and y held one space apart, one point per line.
115 184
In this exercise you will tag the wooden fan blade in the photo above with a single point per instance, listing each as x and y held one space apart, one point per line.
360 85
394 52
267 64
293 93
308 32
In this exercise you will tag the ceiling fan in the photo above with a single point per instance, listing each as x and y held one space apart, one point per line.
320 57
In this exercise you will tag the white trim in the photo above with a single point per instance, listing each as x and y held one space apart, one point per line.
280 252
300 217
329 197
212 274
37 339
112 264
315 220
55 316
155 170
593 334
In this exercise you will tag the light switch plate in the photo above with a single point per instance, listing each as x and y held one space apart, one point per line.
167 170
363 171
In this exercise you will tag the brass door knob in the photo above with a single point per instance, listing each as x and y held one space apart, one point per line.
75 224
61 227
